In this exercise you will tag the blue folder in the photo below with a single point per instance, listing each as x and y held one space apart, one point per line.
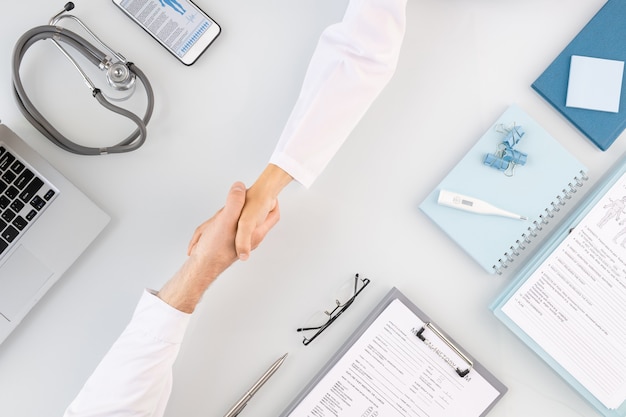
603 37
556 238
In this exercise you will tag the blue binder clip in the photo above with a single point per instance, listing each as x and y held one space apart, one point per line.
514 136
506 158
495 161
514 156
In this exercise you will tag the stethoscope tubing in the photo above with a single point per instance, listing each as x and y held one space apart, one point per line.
135 140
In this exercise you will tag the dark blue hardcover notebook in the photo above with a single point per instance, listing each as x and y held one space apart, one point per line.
603 37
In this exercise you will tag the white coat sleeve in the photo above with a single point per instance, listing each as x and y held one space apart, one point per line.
135 377
352 63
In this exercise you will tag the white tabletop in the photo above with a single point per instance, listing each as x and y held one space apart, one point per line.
462 64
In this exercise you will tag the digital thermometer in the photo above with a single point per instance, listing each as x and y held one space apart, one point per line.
474 205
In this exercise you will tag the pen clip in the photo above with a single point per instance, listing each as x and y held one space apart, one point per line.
456 350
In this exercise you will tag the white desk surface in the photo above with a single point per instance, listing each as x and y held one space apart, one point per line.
462 64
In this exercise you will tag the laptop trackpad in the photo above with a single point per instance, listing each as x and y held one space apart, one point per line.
21 277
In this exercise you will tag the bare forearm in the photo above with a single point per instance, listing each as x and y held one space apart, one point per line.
185 289
271 182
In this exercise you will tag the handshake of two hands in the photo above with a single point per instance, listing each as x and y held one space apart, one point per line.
231 234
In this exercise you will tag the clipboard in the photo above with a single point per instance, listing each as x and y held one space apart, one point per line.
459 367
560 234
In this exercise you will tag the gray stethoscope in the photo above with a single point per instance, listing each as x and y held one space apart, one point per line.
120 74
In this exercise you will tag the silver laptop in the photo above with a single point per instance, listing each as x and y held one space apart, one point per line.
45 224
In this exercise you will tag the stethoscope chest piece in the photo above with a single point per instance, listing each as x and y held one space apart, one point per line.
120 77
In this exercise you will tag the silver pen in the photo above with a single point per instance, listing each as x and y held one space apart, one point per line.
243 401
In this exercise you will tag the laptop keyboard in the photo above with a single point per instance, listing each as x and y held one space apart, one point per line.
24 195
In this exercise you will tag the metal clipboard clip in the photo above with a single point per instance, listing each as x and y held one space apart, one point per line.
456 350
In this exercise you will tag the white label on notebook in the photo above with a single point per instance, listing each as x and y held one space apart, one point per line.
595 84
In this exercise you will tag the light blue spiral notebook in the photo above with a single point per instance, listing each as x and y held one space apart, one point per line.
535 189
567 303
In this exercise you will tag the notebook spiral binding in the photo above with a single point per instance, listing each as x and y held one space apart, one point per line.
533 231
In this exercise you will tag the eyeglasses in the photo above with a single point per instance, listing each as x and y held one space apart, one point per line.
344 297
